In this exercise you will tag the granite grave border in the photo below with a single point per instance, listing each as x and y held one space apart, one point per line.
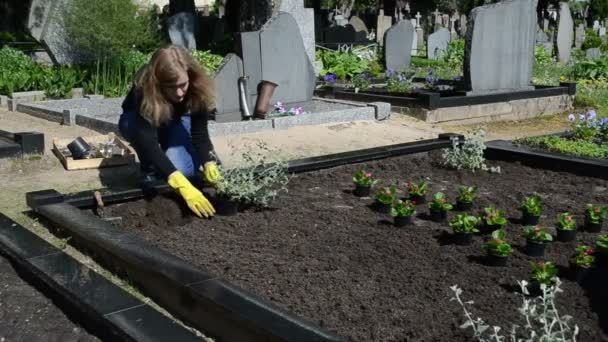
20 144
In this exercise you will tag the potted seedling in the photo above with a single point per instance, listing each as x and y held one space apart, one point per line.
494 219
536 239
566 227
466 195
531 208
464 226
403 212
439 207
498 249
594 217
417 192
581 263
601 247
363 183
543 273
385 198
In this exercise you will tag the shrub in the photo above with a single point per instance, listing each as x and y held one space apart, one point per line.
453 55
343 64
592 40
207 60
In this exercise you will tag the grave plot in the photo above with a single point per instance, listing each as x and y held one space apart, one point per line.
324 258
20 143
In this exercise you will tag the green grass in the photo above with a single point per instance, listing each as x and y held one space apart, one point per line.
563 145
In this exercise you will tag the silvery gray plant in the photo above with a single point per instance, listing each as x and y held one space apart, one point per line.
256 179
542 321
468 155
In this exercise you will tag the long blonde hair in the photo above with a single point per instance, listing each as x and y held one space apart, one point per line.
164 67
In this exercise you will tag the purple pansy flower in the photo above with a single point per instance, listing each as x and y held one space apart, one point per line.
330 78
582 117
390 73
591 114
571 118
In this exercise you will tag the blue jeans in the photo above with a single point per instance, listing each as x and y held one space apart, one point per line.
175 140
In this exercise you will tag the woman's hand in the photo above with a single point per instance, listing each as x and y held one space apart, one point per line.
212 173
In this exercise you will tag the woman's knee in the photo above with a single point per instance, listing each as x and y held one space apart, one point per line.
182 160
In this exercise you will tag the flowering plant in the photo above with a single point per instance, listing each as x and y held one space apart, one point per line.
595 214
281 110
566 222
602 244
401 208
544 272
532 205
584 257
588 127
361 81
494 217
466 193
497 245
464 223
330 79
364 178
440 203
536 234
431 81
386 195
418 190
398 82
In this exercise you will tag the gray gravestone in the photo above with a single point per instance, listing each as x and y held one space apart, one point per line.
463 25
383 24
358 24
420 37
579 36
226 84
44 23
596 25
305 17
437 42
39 16
181 29
565 34
415 40
593 53
499 47
602 32
541 37
252 62
284 60
398 45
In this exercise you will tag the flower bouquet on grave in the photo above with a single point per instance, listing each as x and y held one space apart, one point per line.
566 227
594 217
279 109
402 212
536 239
464 226
363 183
582 263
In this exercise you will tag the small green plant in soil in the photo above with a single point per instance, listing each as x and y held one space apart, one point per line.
398 82
361 81
464 223
497 245
403 208
431 82
601 244
543 272
440 203
566 222
494 217
595 214
532 206
386 195
468 155
364 178
585 257
466 194
417 190
536 234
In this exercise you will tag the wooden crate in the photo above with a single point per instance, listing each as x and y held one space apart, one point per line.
61 151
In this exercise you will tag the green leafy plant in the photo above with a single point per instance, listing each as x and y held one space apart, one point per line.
466 194
398 82
561 145
453 55
536 234
467 155
464 223
542 57
584 257
543 272
440 203
592 40
255 179
61 82
566 221
602 244
595 214
386 195
401 208
361 81
208 60
417 190
494 217
364 178
497 245
343 64
532 206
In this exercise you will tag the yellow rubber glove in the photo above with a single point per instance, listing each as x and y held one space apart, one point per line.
212 173
194 198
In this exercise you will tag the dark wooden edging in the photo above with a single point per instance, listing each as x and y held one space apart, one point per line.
211 304
432 100
21 143
104 308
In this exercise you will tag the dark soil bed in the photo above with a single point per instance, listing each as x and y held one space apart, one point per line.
325 255
27 315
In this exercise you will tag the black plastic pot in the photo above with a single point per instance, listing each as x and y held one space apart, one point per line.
580 274
489 228
402 221
79 148
418 199
497 260
226 207
566 235
601 260
438 216
383 208
464 206
530 220
462 239
535 249
362 190
593 227
534 288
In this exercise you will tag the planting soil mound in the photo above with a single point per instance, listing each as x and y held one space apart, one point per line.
325 255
